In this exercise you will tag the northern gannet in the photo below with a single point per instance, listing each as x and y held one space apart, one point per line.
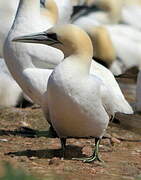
127 47
65 9
10 92
11 95
49 13
112 9
7 14
49 17
79 102
104 51
116 46
27 62
125 11
131 13
109 13
131 2
78 2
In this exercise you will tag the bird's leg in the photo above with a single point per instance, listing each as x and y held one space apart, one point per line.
51 132
95 155
63 146
112 118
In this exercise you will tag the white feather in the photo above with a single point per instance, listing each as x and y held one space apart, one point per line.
10 92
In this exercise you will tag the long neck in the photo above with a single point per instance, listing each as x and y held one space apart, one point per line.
112 7
24 23
28 13
80 56
28 9
115 11
51 11
102 44
17 55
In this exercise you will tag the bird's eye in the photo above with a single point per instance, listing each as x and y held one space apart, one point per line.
52 36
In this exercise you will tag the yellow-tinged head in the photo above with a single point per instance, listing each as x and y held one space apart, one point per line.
112 7
102 44
69 38
50 11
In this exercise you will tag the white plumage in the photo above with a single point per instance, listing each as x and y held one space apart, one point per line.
78 103
126 41
65 9
7 14
10 92
131 15
23 60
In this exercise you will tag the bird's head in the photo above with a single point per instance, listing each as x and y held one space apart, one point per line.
68 38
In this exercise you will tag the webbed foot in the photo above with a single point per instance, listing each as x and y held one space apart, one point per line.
95 156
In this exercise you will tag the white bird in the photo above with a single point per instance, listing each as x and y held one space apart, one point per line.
25 61
116 45
78 2
10 92
131 15
65 10
85 22
127 47
131 2
104 52
109 50
7 14
8 11
79 102
126 11
11 96
109 13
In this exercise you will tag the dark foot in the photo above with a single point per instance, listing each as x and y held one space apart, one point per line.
52 133
63 146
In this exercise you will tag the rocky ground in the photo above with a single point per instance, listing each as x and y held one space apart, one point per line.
41 156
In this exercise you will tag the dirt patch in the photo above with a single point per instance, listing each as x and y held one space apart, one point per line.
41 156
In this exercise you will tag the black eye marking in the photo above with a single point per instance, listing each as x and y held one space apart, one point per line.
52 36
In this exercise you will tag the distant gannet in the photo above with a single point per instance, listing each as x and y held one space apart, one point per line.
109 13
131 13
125 11
65 9
104 51
116 46
10 92
79 103
127 47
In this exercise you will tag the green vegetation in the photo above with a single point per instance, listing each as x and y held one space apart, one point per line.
15 174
